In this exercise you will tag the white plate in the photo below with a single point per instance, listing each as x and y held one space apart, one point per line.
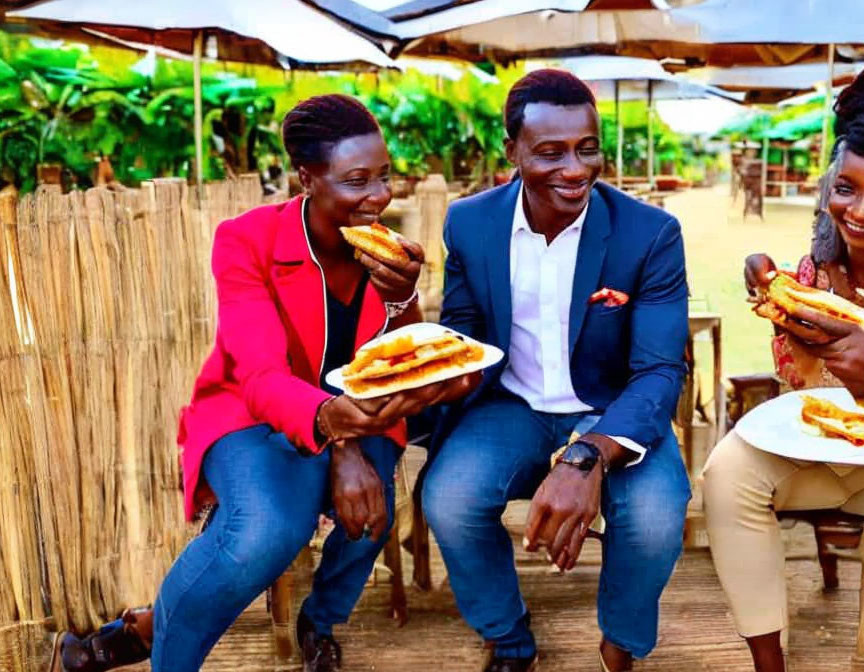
423 330
776 427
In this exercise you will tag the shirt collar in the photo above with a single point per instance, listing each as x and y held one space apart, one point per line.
520 221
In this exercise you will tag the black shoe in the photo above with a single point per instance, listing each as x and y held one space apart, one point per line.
320 653
497 664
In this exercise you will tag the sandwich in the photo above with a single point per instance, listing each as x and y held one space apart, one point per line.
377 241
785 294
388 365
832 421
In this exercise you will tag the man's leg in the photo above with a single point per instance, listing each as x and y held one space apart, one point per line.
345 564
644 507
269 500
498 452
742 488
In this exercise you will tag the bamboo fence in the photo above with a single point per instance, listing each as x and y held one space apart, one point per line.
106 313
107 310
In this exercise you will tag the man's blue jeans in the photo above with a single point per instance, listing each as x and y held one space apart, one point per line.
499 452
270 497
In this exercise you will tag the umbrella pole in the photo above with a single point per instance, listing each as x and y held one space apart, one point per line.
651 134
199 121
764 167
829 88
619 140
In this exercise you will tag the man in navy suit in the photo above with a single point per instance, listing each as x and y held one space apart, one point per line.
584 290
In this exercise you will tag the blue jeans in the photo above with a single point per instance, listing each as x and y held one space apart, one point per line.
499 452
270 497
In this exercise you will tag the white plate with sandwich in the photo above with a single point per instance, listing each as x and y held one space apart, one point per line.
822 425
410 357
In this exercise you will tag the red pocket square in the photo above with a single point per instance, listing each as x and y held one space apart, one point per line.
609 297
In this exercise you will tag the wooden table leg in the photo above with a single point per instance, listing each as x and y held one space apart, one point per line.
858 658
719 401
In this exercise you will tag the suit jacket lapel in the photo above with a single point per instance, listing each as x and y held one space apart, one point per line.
496 244
589 264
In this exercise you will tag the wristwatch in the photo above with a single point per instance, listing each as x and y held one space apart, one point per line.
582 455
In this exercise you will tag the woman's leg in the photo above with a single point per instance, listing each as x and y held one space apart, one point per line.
269 500
345 564
742 488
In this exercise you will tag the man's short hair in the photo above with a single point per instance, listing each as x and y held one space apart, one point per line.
556 87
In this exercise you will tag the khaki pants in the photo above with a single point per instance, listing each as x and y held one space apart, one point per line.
742 488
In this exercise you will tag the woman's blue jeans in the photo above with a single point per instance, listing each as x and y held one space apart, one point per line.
270 497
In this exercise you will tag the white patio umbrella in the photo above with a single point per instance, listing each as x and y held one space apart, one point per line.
284 32
622 78
503 30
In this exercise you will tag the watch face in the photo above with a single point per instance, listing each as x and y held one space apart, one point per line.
587 464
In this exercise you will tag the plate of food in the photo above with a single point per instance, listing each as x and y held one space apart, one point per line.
410 357
823 424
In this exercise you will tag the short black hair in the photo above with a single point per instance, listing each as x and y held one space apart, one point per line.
315 125
557 87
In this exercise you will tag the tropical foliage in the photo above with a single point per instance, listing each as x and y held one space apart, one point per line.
72 106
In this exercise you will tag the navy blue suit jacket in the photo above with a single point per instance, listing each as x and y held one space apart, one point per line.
625 361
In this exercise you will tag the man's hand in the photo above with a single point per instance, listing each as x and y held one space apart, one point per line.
563 508
411 402
394 281
347 418
358 494
844 350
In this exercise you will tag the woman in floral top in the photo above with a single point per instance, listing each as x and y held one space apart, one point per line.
743 487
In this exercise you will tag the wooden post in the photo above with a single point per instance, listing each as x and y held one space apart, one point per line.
432 202
785 176
829 88
619 138
651 134
199 110
764 167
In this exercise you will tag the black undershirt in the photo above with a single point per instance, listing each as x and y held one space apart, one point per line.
342 321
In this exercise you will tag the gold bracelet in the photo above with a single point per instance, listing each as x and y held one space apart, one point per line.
322 424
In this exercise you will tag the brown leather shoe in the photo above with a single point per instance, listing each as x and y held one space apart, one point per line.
122 642
320 653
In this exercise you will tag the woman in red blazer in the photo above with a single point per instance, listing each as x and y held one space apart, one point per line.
263 435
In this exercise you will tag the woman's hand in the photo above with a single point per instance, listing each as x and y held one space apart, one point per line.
843 353
346 418
412 402
358 494
395 281
759 270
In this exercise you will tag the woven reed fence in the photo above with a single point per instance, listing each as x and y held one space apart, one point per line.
106 313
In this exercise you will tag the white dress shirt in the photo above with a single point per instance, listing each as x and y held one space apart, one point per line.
541 287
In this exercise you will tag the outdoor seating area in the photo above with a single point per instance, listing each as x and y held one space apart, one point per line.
444 334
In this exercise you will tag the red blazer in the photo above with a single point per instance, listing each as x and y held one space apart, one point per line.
270 339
